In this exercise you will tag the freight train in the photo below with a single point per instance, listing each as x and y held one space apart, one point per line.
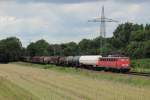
109 63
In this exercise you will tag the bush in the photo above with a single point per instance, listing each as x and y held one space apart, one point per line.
141 63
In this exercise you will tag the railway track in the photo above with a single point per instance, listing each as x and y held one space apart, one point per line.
139 74
126 73
117 72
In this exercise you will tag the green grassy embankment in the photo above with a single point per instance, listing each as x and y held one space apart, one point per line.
141 65
116 77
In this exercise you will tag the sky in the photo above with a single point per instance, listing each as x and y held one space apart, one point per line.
61 21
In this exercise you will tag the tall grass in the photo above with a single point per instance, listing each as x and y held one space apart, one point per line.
10 91
59 83
116 77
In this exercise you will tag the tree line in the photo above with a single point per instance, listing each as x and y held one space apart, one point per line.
129 39
10 49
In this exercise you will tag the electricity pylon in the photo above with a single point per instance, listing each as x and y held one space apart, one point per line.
102 21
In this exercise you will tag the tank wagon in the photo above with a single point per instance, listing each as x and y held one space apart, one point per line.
89 60
121 64
69 60
75 61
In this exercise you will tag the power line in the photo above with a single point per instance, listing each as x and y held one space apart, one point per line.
102 20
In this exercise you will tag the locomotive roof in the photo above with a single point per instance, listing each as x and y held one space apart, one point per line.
113 57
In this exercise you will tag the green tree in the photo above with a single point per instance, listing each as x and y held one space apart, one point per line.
146 50
85 46
70 48
123 33
135 50
147 27
12 48
39 48
31 49
140 35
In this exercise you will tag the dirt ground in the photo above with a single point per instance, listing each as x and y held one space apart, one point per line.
46 84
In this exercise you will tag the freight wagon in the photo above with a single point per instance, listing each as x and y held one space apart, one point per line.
89 60
121 64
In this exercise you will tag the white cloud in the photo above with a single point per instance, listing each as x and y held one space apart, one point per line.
59 23
6 19
135 8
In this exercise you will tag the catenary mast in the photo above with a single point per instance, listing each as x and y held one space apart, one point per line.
102 20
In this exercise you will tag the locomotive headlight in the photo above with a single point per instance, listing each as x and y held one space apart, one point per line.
125 64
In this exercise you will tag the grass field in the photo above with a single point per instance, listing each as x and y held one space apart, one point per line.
22 81
10 91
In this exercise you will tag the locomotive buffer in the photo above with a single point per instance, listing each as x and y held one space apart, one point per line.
102 20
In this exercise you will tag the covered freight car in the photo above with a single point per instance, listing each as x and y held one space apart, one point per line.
47 59
54 60
38 59
62 61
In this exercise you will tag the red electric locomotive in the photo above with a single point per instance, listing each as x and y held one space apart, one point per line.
114 63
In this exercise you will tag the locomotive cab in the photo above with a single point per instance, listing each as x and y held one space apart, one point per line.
115 63
123 63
